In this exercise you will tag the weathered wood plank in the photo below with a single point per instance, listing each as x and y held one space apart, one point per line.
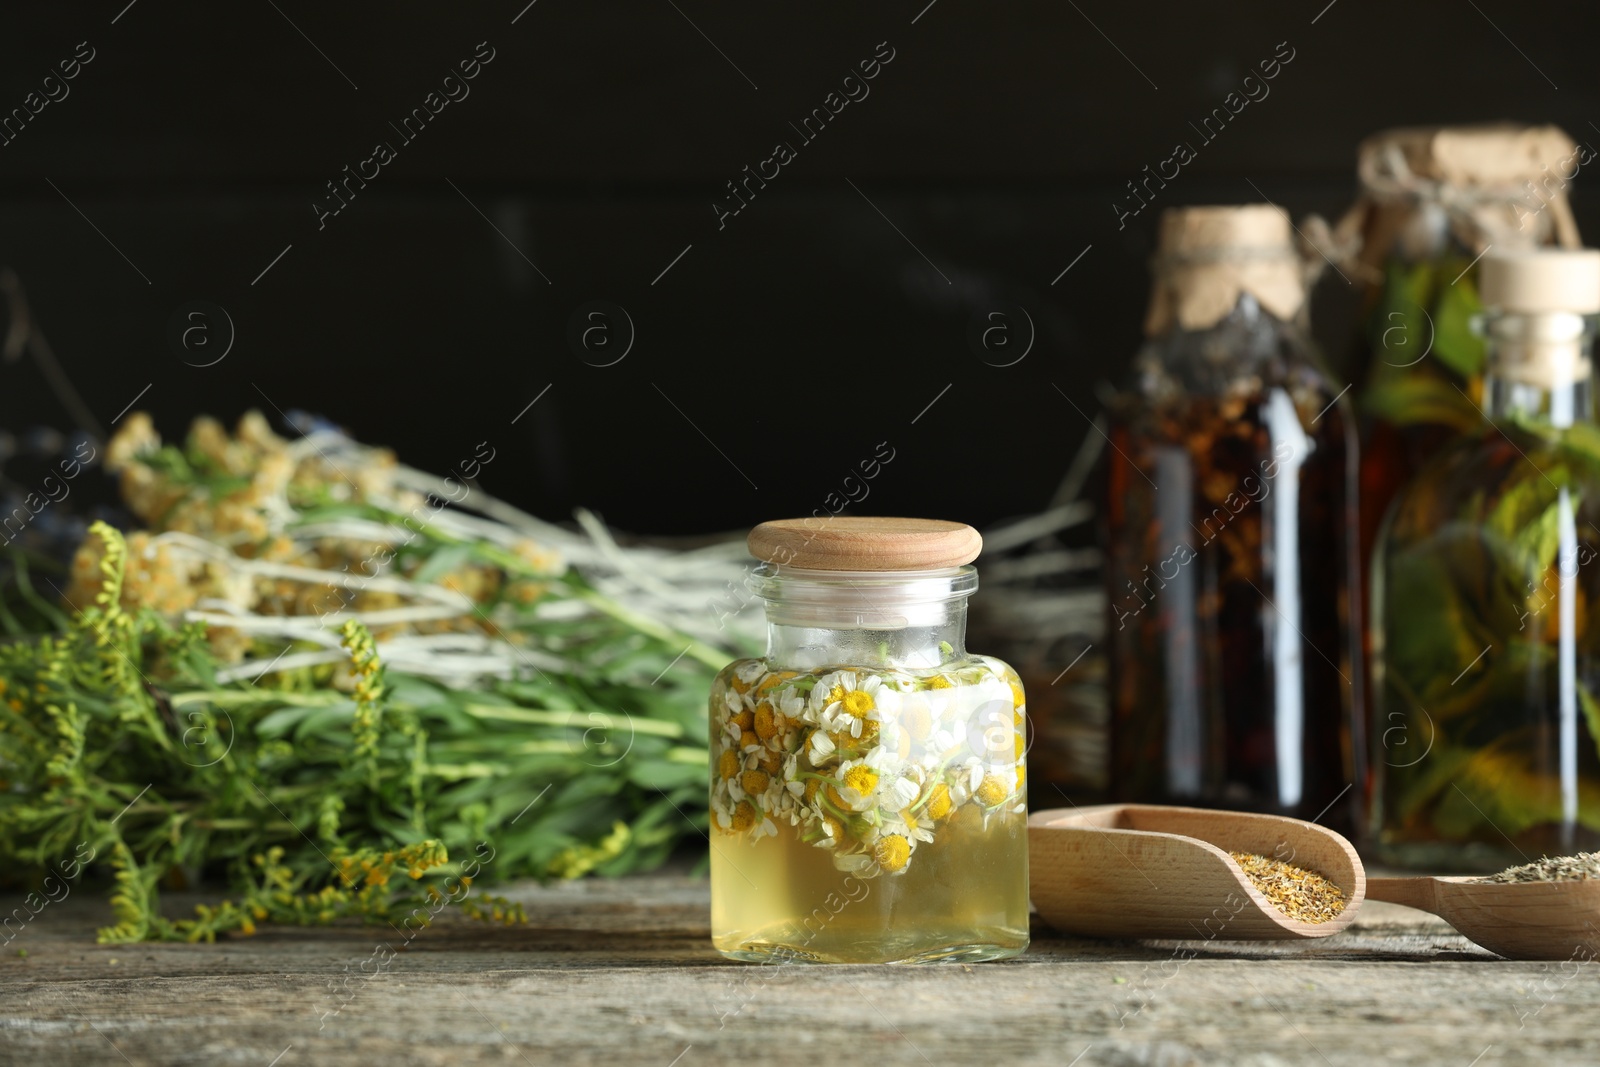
622 972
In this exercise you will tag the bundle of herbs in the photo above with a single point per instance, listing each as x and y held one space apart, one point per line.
342 688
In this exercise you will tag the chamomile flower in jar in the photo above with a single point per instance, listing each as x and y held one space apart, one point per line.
867 780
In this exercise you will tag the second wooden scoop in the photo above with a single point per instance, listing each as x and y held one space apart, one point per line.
1151 871
1519 920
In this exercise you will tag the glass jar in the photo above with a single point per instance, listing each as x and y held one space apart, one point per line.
867 774
1229 533
1486 660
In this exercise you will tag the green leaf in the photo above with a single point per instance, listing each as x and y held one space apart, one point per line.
1454 342
1497 793
1400 329
665 775
1417 786
336 719
1431 630
1537 542
1580 443
1498 680
1591 714
442 562
1404 398
278 723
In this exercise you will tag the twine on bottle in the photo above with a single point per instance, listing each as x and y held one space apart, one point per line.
1210 256
1499 186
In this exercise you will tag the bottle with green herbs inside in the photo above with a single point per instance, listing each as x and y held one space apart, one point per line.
1486 660
867 774
1229 534
1433 199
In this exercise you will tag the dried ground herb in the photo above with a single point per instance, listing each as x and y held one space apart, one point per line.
1298 893
1583 866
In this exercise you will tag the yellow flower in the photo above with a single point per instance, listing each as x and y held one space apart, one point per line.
744 816
856 703
773 679
767 721
862 779
843 739
755 782
853 706
939 801
992 792
859 782
728 764
892 852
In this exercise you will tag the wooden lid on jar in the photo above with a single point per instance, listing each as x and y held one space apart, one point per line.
865 543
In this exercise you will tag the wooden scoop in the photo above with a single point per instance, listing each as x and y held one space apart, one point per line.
1519 920
1148 871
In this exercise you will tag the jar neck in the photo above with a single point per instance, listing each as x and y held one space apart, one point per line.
1539 366
908 620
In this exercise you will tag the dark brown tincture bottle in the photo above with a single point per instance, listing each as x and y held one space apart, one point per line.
1229 532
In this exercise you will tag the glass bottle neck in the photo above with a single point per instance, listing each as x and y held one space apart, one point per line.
912 621
1559 404
1539 366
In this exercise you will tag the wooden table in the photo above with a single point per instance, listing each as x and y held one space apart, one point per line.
622 973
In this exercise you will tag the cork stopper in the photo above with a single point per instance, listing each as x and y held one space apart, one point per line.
1209 256
1497 156
1211 232
1543 281
1488 186
1536 303
852 543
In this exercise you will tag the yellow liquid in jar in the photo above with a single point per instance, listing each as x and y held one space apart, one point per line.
964 899
926 861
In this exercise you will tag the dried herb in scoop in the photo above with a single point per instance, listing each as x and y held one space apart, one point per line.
1298 893
1582 867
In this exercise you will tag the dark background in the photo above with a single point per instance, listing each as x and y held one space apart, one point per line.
797 338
